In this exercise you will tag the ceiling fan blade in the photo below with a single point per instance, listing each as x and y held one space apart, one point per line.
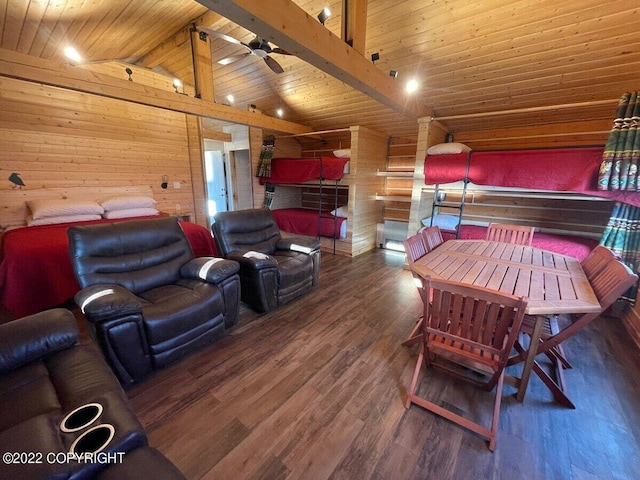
280 51
233 58
221 36
273 65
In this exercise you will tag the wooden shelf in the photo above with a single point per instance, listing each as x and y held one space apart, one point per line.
394 198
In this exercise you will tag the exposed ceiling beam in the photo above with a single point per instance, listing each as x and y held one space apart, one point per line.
292 29
47 72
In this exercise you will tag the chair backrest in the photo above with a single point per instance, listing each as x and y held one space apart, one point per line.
507 233
252 229
597 259
414 247
137 254
608 284
473 322
432 237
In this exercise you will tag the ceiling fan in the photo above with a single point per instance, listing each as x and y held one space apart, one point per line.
258 47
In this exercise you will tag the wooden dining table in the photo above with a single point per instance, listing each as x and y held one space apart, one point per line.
554 283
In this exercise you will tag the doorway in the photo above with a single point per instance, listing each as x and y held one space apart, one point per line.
216 178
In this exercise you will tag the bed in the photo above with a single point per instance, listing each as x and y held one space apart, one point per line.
310 221
572 245
35 271
305 221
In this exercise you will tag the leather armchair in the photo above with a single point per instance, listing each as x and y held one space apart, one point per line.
147 299
273 270
44 376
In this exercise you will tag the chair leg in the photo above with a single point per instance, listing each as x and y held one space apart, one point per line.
496 413
415 336
414 380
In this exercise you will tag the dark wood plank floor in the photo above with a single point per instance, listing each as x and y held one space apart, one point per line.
316 390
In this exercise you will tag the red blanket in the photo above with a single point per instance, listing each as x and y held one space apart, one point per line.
36 274
557 169
299 170
304 221
571 245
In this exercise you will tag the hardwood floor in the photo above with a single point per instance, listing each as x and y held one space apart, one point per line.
316 390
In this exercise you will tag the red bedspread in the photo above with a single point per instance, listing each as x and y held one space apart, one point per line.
304 221
571 245
36 274
299 170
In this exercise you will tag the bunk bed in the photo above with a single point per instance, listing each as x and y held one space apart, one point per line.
328 220
533 169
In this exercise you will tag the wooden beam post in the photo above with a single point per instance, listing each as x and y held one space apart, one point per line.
47 72
291 28
354 24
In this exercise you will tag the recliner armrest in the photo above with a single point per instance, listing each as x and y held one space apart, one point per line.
33 337
105 301
209 269
299 244
254 260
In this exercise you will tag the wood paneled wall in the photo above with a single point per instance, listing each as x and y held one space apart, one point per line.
59 138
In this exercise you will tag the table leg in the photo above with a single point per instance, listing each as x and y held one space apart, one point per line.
531 357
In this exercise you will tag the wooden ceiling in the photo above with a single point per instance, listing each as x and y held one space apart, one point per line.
470 57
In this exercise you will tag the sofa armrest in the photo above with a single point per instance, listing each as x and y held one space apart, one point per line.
30 338
106 301
253 260
299 244
209 269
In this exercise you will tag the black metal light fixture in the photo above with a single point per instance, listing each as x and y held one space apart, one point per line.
375 57
393 73
129 72
324 14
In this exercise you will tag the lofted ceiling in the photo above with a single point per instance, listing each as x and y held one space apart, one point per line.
470 57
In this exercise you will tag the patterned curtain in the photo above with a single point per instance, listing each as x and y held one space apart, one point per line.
622 235
621 156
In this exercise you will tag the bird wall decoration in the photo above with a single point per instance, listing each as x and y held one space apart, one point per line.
15 179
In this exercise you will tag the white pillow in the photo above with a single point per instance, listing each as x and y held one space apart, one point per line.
443 220
340 211
63 207
446 148
127 201
342 153
130 212
62 219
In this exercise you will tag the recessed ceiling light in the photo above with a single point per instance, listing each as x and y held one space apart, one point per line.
230 98
279 112
72 54
411 86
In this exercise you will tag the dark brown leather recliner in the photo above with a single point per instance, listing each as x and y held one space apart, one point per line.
147 299
46 376
273 270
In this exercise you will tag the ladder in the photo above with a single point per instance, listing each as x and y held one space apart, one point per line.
439 198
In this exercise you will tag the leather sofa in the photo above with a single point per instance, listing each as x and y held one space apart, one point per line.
147 299
273 270
45 375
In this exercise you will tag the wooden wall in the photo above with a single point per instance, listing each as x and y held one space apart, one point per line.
59 138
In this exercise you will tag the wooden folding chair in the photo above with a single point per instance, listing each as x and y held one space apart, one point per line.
470 327
597 259
415 248
507 233
432 237
608 283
